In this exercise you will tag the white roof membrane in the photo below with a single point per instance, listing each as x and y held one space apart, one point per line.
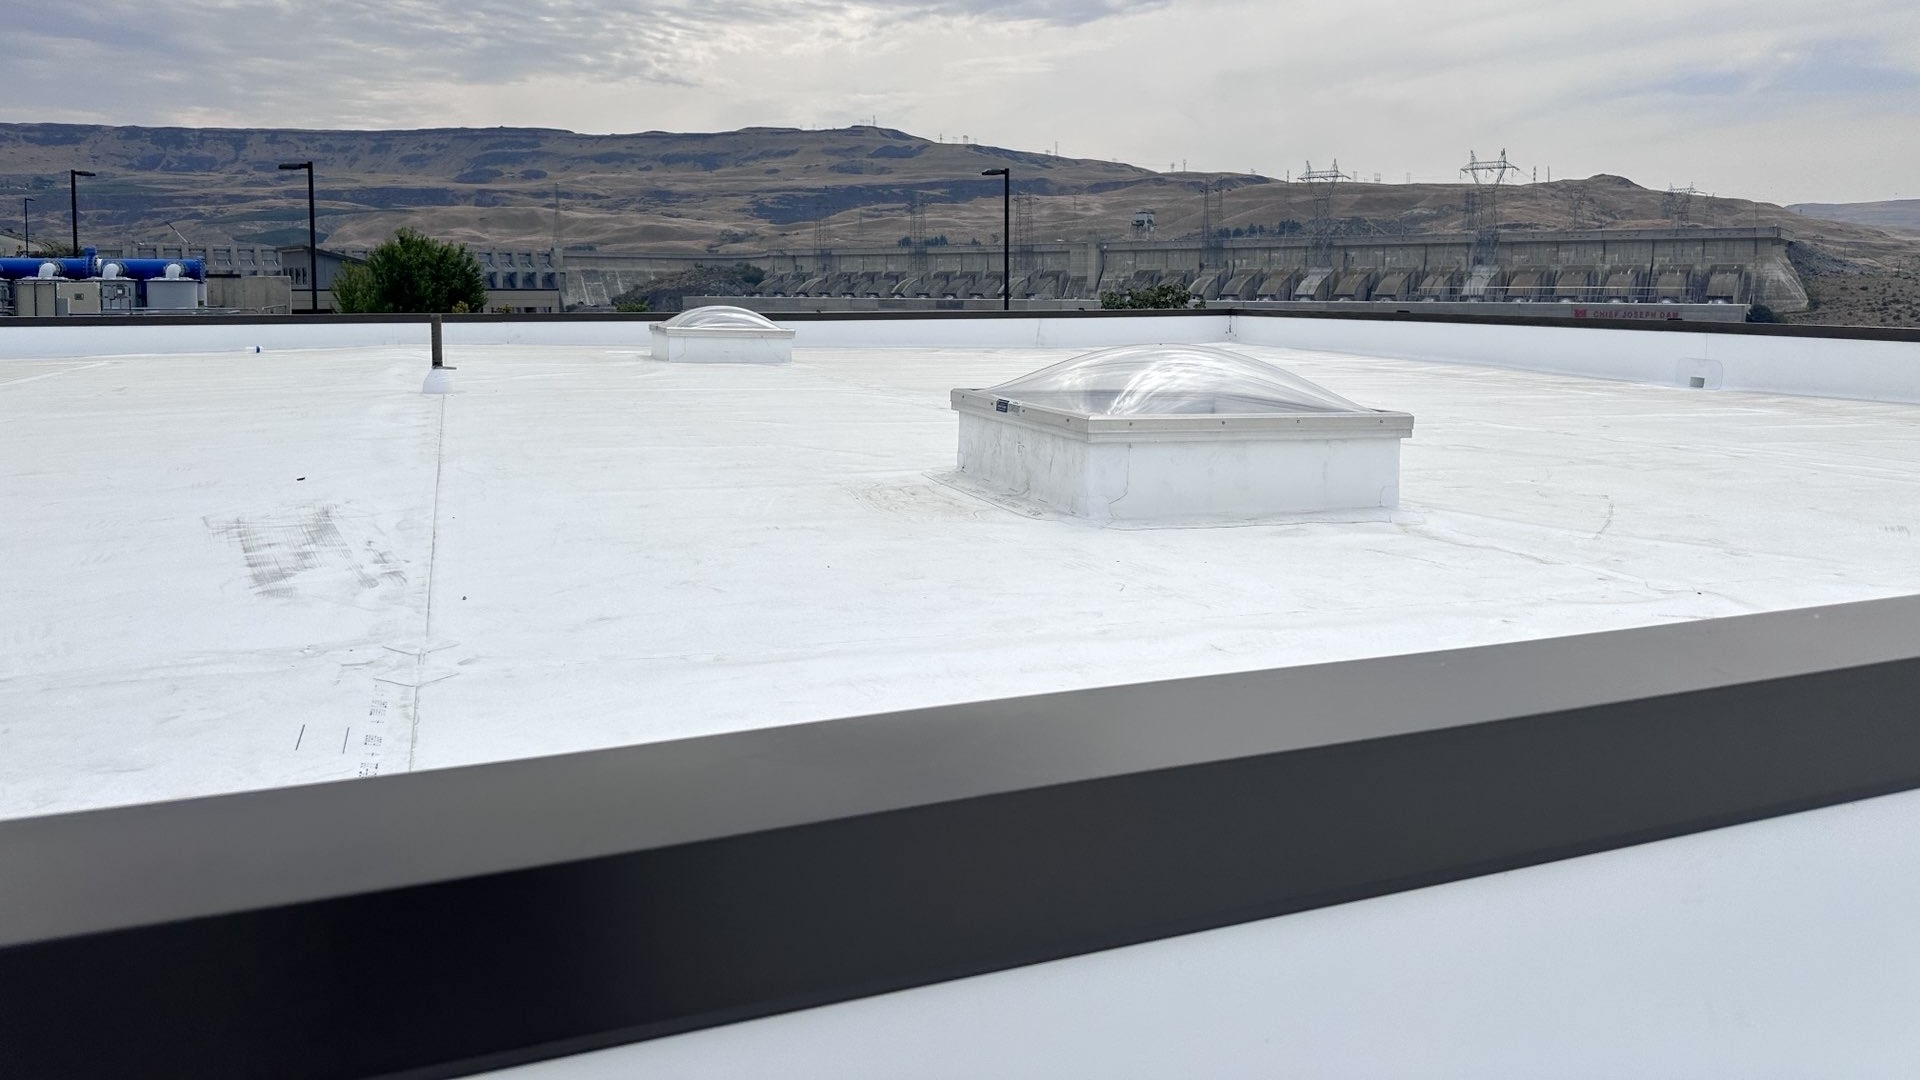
232 571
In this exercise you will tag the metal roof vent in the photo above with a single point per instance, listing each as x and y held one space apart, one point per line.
718 334
1179 432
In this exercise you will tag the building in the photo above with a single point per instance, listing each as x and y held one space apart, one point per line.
518 282
606 699
222 260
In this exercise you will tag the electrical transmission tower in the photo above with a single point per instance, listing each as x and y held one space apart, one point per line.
917 233
1677 204
1483 202
1023 228
1320 184
1213 214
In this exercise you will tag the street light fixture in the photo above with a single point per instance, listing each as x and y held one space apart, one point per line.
313 260
1006 235
26 229
73 204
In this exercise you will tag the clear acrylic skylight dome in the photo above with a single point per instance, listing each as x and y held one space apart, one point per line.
720 317
1171 380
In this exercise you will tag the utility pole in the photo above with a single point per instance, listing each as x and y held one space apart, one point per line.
73 204
313 258
1006 235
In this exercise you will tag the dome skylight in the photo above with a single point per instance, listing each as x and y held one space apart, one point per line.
720 317
1170 380
719 334
1179 433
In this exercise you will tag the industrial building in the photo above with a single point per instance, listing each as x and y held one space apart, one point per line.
92 284
608 715
520 282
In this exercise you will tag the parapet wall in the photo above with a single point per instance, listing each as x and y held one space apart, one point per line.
1872 364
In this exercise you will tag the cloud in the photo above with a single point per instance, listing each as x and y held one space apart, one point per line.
1055 12
1804 73
1731 93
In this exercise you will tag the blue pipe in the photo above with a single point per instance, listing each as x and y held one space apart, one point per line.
86 267
11 269
148 269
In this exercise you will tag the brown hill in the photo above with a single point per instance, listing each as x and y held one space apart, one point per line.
1892 214
742 192
731 192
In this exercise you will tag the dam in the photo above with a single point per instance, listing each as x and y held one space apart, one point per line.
1602 266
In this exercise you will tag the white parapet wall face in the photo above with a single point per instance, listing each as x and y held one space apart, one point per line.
1178 433
722 335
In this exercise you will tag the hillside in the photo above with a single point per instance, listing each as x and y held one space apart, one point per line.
1900 214
731 192
744 192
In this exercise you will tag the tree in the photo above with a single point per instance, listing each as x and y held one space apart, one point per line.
1171 295
415 273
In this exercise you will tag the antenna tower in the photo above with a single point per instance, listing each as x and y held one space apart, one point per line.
1320 183
1483 202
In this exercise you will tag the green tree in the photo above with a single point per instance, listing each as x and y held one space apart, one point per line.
1171 295
415 273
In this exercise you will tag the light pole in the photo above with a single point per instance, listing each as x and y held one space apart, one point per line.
313 260
26 229
1006 235
73 204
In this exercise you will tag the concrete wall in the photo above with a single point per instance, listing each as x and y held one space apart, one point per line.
1809 366
1756 259
1721 313
263 293
593 278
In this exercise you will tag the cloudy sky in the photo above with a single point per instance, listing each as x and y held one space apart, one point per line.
1784 101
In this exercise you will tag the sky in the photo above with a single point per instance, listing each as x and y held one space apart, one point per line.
1781 101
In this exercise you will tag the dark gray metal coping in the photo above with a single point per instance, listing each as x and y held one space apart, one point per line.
100 870
444 923
1409 314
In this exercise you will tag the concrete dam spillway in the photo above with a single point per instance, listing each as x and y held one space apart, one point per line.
1609 266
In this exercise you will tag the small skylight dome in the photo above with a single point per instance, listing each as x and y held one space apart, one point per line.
719 334
1176 433
720 317
1170 380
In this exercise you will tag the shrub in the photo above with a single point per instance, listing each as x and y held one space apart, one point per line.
413 273
1170 295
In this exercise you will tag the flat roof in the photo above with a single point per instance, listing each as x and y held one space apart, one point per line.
229 571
